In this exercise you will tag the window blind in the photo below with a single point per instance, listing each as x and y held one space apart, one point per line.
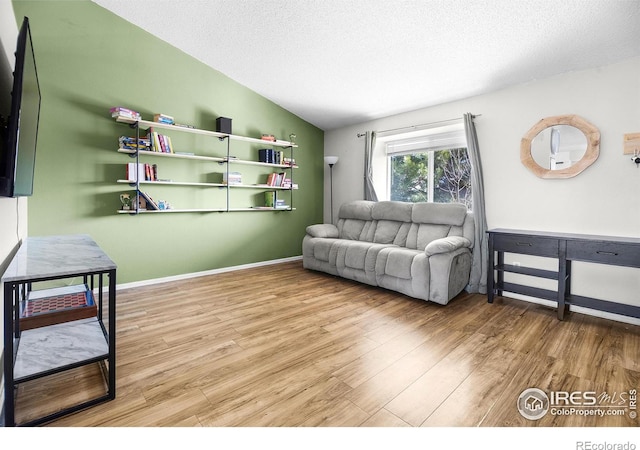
433 139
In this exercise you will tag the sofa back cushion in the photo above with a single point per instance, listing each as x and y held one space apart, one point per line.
355 221
434 221
386 232
393 222
452 214
390 210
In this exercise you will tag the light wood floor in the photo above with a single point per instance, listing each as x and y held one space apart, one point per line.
282 346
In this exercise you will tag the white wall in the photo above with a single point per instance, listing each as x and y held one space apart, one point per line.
11 230
604 199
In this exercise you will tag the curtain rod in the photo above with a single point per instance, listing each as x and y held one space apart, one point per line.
421 125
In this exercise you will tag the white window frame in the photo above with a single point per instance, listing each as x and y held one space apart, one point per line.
428 139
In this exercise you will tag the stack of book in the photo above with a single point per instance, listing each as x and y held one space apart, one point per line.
129 143
119 111
163 118
232 178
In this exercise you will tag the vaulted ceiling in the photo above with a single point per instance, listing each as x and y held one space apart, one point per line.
335 62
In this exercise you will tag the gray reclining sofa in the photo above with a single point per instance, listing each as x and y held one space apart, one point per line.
422 250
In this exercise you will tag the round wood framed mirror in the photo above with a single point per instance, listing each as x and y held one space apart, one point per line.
560 146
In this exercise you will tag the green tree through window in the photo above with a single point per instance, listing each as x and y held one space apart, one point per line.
442 176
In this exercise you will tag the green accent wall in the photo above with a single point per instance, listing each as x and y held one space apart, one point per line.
90 60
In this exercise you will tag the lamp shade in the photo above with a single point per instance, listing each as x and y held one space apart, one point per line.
331 160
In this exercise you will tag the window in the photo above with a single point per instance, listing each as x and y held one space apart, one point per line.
431 167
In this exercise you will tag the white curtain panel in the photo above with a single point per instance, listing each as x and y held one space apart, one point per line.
478 279
369 190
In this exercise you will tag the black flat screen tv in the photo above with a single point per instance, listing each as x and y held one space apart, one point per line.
18 151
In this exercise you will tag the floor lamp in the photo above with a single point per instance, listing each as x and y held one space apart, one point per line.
331 160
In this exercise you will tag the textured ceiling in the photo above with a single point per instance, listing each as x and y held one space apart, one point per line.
337 62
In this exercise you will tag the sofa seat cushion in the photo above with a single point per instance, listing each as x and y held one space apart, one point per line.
322 250
396 262
358 255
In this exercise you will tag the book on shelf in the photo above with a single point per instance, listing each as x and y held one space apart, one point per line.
265 155
159 142
271 179
143 172
135 173
277 179
270 199
270 156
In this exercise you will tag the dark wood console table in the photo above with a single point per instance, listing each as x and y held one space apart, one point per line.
565 247
71 342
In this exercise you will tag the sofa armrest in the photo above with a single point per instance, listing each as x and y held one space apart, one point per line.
446 245
323 230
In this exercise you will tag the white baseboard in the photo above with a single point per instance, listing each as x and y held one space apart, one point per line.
186 276
578 309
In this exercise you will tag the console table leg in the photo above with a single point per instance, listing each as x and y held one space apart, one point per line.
490 271
500 283
9 386
112 333
562 278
